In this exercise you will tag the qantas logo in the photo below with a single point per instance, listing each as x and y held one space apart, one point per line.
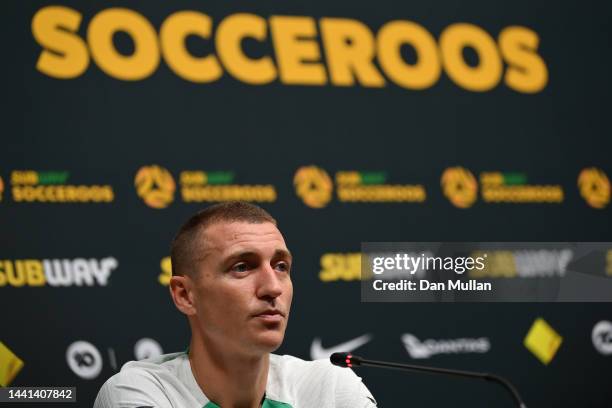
318 352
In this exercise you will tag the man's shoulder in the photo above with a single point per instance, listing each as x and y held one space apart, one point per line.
155 369
289 362
162 363
318 379
297 366
315 371
143 382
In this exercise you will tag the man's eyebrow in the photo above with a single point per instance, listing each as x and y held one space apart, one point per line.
283 253
279 253
238 255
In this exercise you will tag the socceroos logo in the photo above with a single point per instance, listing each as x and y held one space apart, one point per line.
594 187
155 185
313 185
459 186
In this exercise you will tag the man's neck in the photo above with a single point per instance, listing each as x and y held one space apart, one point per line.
227 379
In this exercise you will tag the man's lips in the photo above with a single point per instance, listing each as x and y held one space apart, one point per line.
271 315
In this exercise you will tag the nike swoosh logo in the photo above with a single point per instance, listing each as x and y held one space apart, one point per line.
318 352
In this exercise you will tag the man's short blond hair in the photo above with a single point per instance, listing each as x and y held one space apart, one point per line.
185 243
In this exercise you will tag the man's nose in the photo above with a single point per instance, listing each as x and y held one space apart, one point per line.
269 284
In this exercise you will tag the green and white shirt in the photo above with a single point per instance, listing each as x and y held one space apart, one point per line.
167 382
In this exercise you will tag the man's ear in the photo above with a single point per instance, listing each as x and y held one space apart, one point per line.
181 290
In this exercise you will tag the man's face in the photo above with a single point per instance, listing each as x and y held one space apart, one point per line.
243 289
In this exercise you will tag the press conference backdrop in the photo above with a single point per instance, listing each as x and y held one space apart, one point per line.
350 122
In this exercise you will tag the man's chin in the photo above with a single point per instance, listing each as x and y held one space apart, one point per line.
269 342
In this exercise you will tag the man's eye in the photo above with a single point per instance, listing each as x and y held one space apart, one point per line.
240 267
282 266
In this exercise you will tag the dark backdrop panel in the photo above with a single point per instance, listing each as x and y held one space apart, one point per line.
102 130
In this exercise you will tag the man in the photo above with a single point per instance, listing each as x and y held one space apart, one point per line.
231 278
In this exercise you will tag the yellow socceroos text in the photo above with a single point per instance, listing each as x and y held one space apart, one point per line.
306 51
351 189
262 193
63 194
51 187
195 188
